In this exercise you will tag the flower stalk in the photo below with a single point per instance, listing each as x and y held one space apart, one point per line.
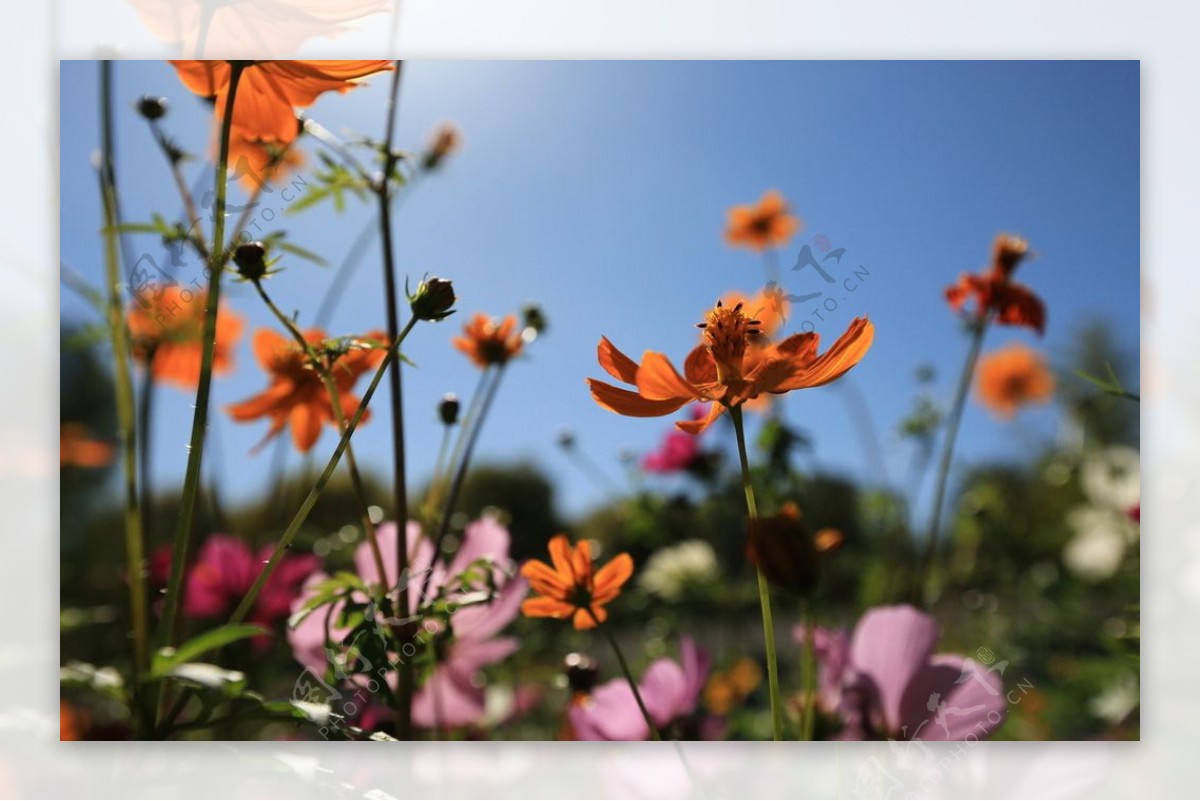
637 695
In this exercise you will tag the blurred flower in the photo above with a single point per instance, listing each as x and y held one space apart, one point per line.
271 28
570 588
1117 700
77 448
268 94
831 647
1012 377
893 686
670 571
732 365
764 225
485 343
678 451
446 140
296 395
256 161
1112 477
769 308
73 722
454 695
726 691
780 547
994 292
168 329
226 568
1098 547
669 689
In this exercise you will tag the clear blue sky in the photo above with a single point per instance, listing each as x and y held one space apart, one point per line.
600 190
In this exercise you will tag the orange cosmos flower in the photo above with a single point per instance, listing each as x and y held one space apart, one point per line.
570 588
296 395
77 448
487 343
994 291
255 161
1011 377
269 92
765 225
168 331
734 364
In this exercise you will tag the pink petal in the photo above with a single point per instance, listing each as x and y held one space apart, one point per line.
448 700
609 713
696 666
484 538
952 698
890 645
664 689
307 639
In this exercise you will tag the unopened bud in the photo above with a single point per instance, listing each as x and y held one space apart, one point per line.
251 260
433 300
152 108
582 672
534 317
780 548
448 409
446 140
566 438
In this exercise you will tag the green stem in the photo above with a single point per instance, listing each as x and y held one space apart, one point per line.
123 386
978 329
764 592
145 416
438 491
289 535
637 695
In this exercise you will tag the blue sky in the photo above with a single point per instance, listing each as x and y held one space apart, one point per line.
600 190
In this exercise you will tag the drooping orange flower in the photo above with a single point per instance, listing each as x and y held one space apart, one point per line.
486 343
995 293
167 329
1012 377
269 92
571 588
766 224
296 395
77 447
735 363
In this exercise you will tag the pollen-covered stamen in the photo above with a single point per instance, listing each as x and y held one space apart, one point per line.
727 332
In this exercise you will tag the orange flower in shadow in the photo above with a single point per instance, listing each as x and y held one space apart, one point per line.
734 364
1012 377
486 343
571 588
77 448
297 396
256 162
269 92
764 225
995 293
168 332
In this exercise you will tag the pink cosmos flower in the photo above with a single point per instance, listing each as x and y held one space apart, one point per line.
891 685
677 451
453 696
669 689
226 568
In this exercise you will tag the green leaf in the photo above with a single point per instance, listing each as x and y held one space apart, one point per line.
209 677
201 644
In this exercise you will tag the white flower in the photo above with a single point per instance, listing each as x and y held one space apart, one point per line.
1112 477
671 570
1117 700
1098 547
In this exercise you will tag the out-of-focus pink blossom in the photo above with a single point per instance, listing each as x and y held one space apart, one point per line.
677 450
891 685
669 689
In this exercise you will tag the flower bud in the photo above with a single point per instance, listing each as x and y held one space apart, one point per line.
152 108
582 672
1007 253
251 261
566 438
433 299
445 141
780 548
448 409
534 317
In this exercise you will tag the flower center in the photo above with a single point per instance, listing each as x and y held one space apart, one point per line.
727 332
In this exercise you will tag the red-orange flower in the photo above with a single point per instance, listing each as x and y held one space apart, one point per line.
269 92
296 395
761 226
735 363
1012 377
571 588
77 448
168 330
994 292
486 343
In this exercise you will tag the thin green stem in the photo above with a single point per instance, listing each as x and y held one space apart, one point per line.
145 418
135 543
764 590
169 623
438 490
978 329
438 467
289 535
383 190
637 695
335 404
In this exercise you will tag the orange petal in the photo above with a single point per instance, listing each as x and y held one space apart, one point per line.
562 554
1017 305
584 620
544 579
699 366
305 420
545 607
611 577
699 426
657 380
844 354
272 399
631 404
268 345
616 363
